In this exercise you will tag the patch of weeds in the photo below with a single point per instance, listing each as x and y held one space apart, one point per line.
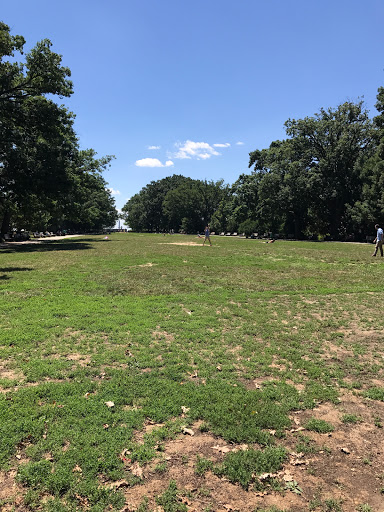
242 466
161 467
320 426
35 474
294 487
242 416
378 423
170 500
332 505
350 418
364 508
204 427
269 509
315 503
203 465
351 385
143 507
204 491
306 445
375 394
32 499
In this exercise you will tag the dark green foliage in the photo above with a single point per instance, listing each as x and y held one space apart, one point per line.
309 182
43 174
174 202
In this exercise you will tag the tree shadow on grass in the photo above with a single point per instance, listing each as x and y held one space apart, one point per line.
46 246
7 270
15 269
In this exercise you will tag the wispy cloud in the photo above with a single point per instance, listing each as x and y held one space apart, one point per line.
154 147
239 143
225 145
114 192
190 149
152 162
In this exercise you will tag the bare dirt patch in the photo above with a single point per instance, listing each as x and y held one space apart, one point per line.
81 359
346 466
203 492
10 374
163 335
11 493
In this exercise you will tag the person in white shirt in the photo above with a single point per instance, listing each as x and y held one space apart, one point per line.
378 240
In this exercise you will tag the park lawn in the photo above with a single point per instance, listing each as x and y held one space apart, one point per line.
102 338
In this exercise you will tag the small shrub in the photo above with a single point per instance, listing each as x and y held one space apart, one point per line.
350 418
320 426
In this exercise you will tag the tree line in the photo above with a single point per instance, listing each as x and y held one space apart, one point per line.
325 179
47 182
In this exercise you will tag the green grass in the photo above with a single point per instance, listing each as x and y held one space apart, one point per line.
156 327
350 418
320 426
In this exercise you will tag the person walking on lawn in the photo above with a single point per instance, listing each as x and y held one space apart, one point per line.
378 240
207 235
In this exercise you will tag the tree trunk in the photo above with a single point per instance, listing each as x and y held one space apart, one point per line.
6 221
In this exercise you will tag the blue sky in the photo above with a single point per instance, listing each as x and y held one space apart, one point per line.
181 87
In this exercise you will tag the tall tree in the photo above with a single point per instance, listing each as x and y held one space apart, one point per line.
144 211
88 205
337 141
310 180
191 205
36 135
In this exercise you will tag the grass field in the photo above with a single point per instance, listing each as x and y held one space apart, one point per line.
146 373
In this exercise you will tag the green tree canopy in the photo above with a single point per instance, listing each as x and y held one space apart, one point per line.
41 165
175 202
309 181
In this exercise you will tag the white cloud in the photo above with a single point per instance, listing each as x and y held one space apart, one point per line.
225 145
114 192
152 162
154 147
239 143
199 150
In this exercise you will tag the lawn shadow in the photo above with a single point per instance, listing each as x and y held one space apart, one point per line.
7 270
46 246
15 269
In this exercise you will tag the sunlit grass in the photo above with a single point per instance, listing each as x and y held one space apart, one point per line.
241 333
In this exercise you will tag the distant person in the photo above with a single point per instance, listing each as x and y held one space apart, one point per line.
378 240
207 235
